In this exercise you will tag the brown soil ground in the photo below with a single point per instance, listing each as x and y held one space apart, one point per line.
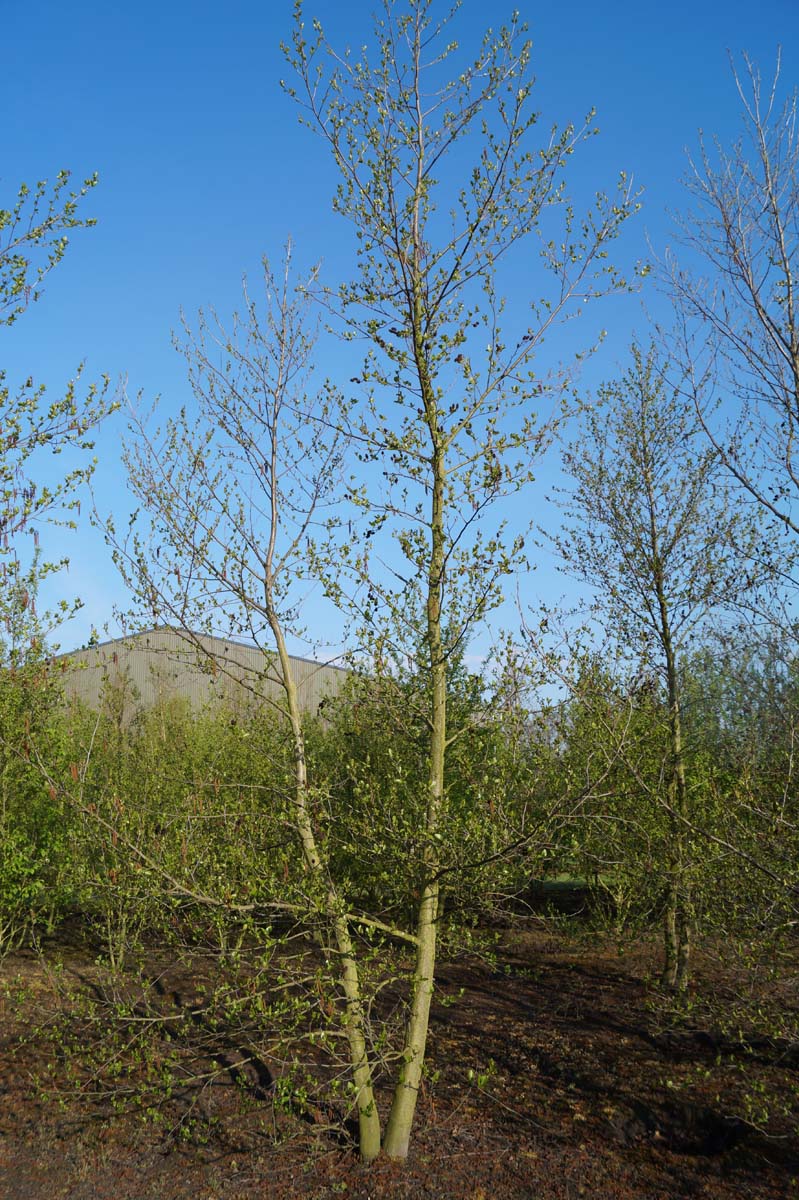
554 1075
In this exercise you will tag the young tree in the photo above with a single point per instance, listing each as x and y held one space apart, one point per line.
651 528
236 489
232 490
446 420
33 240
734 284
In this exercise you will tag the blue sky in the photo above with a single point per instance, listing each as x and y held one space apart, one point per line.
203 168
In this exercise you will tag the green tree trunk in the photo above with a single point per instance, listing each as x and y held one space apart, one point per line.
398 1130
369 1133
678 920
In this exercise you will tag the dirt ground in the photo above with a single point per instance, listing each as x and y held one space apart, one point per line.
553 1075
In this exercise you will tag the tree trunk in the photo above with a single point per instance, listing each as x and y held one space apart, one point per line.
677 922
671 946
684 935
406 1092
398 1130
369 1133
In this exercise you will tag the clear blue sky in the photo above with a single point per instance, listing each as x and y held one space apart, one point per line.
203 168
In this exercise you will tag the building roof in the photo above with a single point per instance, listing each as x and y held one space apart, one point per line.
160 663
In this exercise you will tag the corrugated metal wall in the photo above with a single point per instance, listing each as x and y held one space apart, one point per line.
161 663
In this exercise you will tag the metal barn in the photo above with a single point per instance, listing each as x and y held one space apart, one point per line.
158 664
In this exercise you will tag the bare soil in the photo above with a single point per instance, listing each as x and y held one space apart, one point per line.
553 1075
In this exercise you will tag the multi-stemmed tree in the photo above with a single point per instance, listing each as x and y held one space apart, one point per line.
447 415
445 183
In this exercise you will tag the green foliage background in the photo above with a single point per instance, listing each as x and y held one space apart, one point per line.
172 823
